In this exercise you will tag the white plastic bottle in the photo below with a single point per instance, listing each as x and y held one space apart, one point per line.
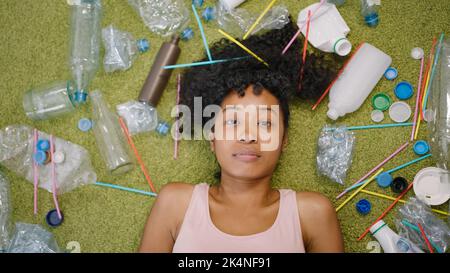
327 30
359 78
390 241
231 4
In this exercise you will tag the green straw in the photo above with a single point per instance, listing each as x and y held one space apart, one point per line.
414 227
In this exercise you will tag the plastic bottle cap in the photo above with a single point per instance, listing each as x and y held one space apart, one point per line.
384 179
391 73
143 45
431 186
377 116
400 111
404 90
187 34
84 124
381 101
421 147
209 14
163 128
417 53
80 97
332 114
197 3
53 219
43 145
399 184
40 157
58 157
342 47
363 206
372 19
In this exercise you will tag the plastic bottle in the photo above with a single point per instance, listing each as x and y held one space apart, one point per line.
361 75
231 4
327 30
369 11
49 101
5 213
121 49
390 241
110 137
336 2
85 45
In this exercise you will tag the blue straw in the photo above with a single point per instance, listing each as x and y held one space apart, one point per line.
436 58
417 229
202 63
200 26
125 189
378 126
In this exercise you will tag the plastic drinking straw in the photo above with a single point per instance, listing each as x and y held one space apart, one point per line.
393 170
401 200
242 46
175 150
55 198
337 77
425 238
136 153
419 88
202 63
300 30
125 189
427 75
358 190
377 167
386 211
380 126
35 173
200 26
259 19
414 227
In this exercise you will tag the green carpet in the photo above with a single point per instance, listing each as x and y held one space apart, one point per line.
34 51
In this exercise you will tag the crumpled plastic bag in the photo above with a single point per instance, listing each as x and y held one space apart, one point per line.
120 49
5 213
30 238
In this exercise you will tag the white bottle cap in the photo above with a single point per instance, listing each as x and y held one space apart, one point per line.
377 116
428 115
342 47
59 157
417 53
333 114
400 111
377 226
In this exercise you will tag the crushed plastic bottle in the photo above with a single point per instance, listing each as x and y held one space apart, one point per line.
121 49
16 154
5 213
30 238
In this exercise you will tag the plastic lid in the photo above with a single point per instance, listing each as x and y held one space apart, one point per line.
363 206
342 47
209 14
84 124
163 128
43 145
421 147
80 96
332 114
384 179
372 19
399 184
391 73
417 53
40 157
377 116
197 3
377 226
187 34
143 45
381 101
400 111
58 157
404 90
432 186
53 219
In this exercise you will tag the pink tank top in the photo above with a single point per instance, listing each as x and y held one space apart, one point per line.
199 234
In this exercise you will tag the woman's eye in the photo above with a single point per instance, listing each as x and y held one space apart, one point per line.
265 123
231 122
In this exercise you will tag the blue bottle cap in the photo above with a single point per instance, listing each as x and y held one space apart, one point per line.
421 147
404 90
40 157
163 128
52 218
209 14
80 97
384 179
363 206
84 124
372 19
197 3
43 145
391 73
187 34
143 45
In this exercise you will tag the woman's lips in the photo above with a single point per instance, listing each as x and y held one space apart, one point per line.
246 156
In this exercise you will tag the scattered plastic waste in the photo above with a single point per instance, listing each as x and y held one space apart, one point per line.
32 239
6 227
390 241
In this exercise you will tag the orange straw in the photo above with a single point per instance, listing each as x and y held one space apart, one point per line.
425 237
138 157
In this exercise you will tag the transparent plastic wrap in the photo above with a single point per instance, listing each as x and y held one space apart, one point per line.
16 154
335 151
438 111
238 21
5 213
163 17
417 212
32 239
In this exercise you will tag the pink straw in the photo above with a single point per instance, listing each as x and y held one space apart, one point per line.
175 150
35 173
55 198
300 30
416 111
376 168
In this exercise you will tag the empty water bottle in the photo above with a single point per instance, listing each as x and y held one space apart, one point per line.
84 45
121 49
369 11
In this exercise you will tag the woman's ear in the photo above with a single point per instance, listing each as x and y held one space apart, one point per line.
285 142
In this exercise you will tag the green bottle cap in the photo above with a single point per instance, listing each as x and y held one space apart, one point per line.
381 101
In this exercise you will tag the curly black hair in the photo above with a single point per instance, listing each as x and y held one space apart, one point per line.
281 78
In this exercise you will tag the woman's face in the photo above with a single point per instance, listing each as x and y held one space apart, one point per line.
249 135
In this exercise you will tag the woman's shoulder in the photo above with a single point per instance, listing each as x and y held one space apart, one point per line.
176 191
314 203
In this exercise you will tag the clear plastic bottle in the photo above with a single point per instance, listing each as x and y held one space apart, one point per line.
369 11
390 241
121 49
110 138
336 2
84 45
5 213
